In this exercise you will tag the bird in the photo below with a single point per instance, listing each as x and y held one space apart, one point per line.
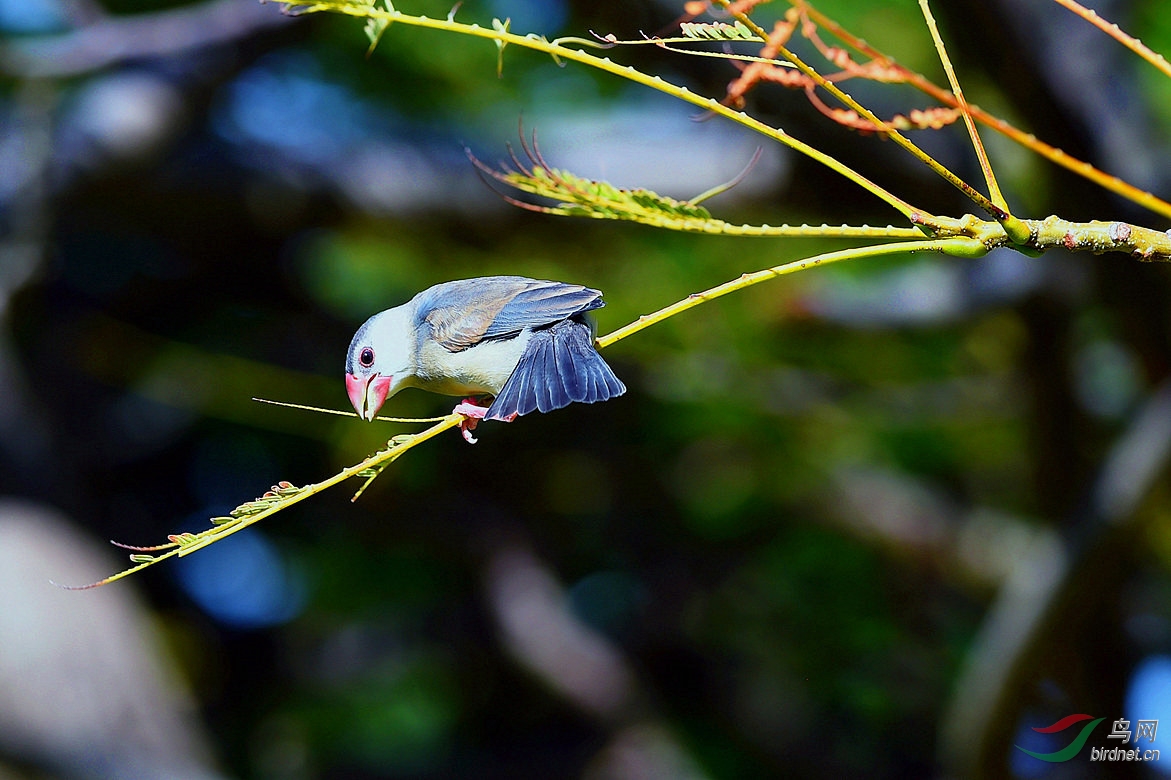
527 343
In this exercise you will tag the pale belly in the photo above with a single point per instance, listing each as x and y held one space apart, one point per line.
480 370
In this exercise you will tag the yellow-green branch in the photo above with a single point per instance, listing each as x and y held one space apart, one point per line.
1028 140
955 246
279 498
1115 32
285 495
1013 226
559 52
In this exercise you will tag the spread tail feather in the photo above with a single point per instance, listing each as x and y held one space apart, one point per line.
559 366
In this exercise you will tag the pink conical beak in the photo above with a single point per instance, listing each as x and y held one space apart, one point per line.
368 395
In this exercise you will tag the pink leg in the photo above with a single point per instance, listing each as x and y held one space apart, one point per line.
472 413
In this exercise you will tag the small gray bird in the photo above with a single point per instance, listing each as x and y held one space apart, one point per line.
528 343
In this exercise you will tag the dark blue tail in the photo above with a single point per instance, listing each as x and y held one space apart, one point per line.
559 366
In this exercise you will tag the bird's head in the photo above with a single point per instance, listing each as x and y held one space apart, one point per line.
380 360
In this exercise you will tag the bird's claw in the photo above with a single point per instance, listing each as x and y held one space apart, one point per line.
472 414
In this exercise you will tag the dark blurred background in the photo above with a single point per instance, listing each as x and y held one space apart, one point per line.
878 520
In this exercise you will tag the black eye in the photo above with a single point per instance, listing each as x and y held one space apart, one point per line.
366 357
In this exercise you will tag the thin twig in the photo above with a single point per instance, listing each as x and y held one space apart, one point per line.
1012 226
1115 32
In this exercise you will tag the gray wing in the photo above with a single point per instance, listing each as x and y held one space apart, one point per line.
559 366
461 314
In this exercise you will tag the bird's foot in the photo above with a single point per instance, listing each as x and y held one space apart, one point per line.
472 414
